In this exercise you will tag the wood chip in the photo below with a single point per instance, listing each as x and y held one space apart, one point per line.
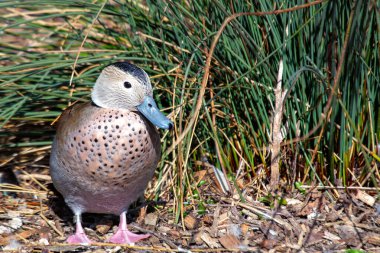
331 237
207 219
268 243
249 213
224 218
197 238
163 229
211 242
229 242
175 233
214 227
244 228
365 198
151 219
22 235
373 239
294 202
103 228
190 222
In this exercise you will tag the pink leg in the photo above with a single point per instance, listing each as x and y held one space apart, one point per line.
79 237
123 235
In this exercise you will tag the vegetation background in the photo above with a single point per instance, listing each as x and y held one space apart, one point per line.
319 126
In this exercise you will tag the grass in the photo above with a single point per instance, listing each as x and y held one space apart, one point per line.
52 51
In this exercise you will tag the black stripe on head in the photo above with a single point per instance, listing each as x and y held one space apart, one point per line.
133 70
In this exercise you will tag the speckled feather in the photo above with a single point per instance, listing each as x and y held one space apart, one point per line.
102 159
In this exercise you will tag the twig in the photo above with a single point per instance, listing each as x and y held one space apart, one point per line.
52 226
253 209
341 188
276 136
35 176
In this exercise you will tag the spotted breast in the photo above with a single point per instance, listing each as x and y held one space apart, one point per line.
100 155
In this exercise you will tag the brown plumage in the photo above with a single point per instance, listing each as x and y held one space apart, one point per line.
103 158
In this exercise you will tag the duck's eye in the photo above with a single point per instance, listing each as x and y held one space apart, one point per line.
127 85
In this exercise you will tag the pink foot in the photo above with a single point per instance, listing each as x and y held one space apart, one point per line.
123 235
79 237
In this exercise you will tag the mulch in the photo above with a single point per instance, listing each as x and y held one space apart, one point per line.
34 218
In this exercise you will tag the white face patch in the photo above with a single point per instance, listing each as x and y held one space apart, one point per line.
116 88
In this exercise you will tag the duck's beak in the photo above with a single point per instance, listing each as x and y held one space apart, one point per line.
150 110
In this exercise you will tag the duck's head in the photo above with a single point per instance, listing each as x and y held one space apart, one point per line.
123 85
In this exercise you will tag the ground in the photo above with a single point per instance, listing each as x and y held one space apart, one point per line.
34 218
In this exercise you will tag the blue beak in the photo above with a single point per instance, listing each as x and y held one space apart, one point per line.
150 110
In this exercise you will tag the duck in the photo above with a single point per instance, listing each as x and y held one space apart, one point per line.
106 151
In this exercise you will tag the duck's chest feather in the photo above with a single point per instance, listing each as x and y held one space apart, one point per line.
103 158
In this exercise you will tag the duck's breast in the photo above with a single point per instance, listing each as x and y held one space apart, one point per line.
102 159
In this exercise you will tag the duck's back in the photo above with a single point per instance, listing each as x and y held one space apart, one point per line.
102 159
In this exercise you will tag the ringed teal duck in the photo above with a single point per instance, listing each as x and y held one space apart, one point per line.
106 151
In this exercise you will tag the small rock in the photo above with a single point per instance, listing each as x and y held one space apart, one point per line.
197 238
